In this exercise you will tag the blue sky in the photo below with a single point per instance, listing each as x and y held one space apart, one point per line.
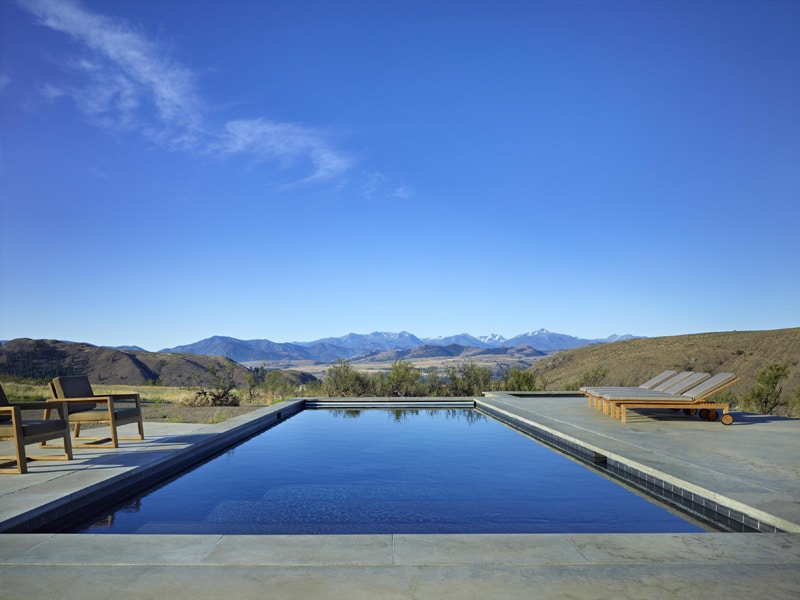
293 170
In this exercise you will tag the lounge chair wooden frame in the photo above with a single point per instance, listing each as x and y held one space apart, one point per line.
592 392
688 407
115 410
31 431
676 384
689 403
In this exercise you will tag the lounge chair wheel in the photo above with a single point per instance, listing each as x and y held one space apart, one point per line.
727 419
704 413
712 415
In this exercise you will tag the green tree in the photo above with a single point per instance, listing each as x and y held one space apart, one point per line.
376 384
469 379
432 383
344 381
765 396
403 380
254 379
517 379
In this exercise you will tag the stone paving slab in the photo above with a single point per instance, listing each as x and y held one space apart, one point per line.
401 549
728 581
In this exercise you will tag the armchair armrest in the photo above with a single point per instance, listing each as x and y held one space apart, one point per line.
100 398
87 400
111 399
106 402
81 404
17 408
130 396
44 405
61 407
125 397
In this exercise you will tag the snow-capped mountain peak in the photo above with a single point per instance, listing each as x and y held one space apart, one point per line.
492 338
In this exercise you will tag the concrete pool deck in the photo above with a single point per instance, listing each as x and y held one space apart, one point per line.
751 465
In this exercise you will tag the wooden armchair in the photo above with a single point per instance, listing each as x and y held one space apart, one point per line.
30 431
86 408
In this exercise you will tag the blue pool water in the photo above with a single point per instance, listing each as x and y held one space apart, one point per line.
379 471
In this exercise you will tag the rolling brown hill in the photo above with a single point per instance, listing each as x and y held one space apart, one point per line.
631 362
44 359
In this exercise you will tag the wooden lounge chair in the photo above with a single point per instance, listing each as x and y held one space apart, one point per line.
30 431
677 384
86 408
690 402
593 391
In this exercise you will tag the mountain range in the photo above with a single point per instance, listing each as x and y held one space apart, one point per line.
354 345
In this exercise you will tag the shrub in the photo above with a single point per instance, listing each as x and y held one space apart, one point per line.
344 381
765 396
517 379
794 402
220 391
432 384
469 379
403 380
593 377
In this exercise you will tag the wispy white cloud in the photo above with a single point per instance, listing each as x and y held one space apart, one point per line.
376 185
287 142
125 81
51 92
403 192
373 183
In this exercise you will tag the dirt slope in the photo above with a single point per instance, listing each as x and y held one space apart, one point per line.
630 362
44 359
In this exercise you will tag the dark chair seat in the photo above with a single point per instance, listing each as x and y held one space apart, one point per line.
33 427
95 415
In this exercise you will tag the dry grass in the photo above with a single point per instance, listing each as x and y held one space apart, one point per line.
159 403
631 362
22 392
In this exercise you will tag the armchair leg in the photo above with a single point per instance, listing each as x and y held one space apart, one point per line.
19 449
19 457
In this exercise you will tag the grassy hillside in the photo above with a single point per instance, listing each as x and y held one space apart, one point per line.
631 362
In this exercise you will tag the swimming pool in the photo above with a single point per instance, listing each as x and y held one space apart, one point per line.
389 471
